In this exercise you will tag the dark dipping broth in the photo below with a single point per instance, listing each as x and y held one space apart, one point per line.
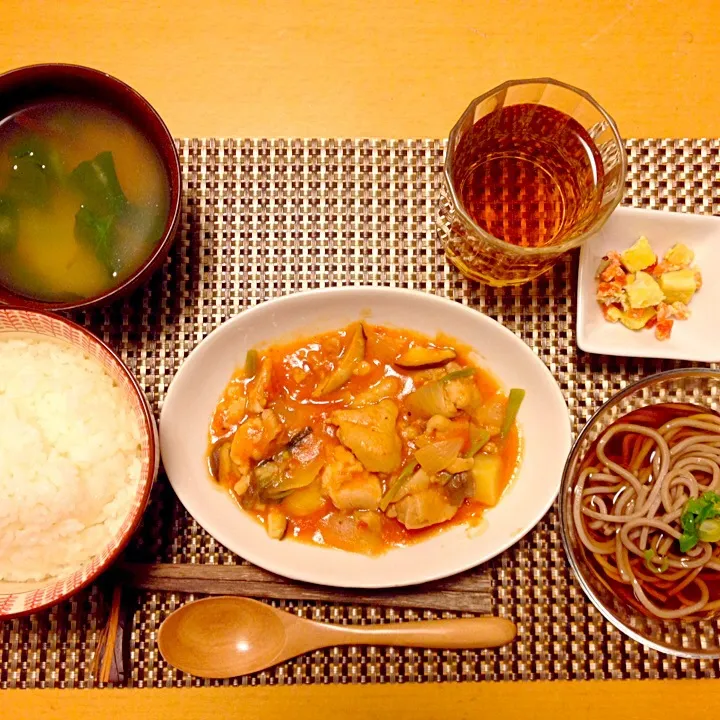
83 200
658 549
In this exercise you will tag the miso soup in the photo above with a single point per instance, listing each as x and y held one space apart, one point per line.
83 200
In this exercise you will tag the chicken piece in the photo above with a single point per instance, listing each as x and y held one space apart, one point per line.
234 412
410 431
253 438
463 393
438 423
260 387
371 434
272 426
385 388
246 437
348 484
424 508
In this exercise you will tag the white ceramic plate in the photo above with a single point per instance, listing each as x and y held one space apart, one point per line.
196 388
693 339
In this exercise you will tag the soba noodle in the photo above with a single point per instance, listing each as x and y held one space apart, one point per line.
628 505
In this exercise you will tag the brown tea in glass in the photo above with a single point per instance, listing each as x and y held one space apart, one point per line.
527 181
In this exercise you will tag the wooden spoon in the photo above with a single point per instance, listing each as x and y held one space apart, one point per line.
222 637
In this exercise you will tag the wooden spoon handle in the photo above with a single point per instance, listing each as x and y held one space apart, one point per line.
482 632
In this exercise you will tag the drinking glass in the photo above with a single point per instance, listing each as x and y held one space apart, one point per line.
550 126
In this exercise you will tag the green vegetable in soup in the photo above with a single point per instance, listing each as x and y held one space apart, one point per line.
709 530
45 190
695 521
97 180
103 203
8 224
33 170
98 233
649 555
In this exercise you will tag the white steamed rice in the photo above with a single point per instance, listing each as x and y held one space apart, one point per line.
70 458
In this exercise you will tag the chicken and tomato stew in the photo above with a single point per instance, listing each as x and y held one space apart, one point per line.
364 438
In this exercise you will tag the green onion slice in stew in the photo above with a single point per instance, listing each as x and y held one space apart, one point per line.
458 374
251 363
399 481
479 441
515 399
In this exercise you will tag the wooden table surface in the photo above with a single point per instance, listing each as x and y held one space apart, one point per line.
378 68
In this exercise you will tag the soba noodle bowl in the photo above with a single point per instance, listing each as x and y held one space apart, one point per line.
646 506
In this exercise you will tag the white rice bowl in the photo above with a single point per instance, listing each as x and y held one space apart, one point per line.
70 457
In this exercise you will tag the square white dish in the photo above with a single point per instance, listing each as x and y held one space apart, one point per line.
695 339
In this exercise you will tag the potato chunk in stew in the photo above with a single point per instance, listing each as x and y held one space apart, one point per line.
348 484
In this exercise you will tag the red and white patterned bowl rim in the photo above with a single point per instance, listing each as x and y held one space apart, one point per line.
54 590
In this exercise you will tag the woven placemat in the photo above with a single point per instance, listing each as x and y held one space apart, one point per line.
266 218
